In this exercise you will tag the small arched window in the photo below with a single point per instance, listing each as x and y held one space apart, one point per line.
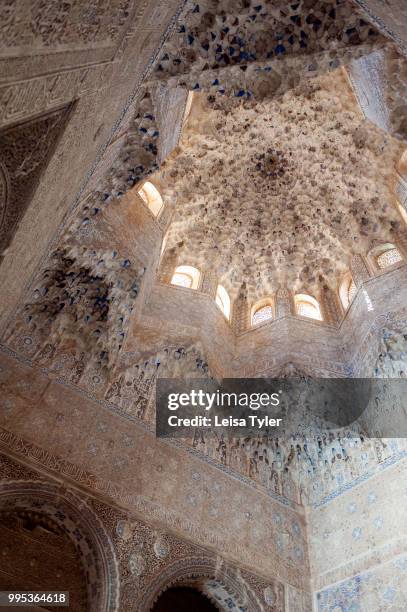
186 276
307 306
388 257
188 106
151 197
223 300
347 290
262 311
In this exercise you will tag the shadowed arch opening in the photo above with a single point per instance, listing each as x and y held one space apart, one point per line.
226 589
183 599
43 504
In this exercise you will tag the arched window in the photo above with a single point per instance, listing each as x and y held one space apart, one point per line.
223 300
186 276
307 306
151 197
188 106
347 290
262 311
388 257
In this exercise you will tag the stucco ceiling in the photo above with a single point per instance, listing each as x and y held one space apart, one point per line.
280 191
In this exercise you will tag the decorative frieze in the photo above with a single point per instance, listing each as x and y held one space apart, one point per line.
284 304
24 151
359 270
331 309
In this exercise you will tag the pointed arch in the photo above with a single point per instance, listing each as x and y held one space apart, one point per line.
209 578
80 523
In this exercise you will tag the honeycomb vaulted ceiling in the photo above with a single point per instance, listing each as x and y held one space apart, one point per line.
280 191
262 47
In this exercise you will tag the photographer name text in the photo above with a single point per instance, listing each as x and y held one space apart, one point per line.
205 421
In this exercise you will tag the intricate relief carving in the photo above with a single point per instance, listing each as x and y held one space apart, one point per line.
269 596
330 306
169 106
69 470
380 83
298 600
137 564
72 515
274 169
4 194
241 311
81 310
283 302
392 359
203 54
62 23
40 94
136 159
128 556
282 466
359 270
25 149
161 548
134 385
389 16
224 585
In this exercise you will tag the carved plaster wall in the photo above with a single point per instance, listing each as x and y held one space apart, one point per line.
76 519
129 562
24 152
98 323
389 17
122 40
